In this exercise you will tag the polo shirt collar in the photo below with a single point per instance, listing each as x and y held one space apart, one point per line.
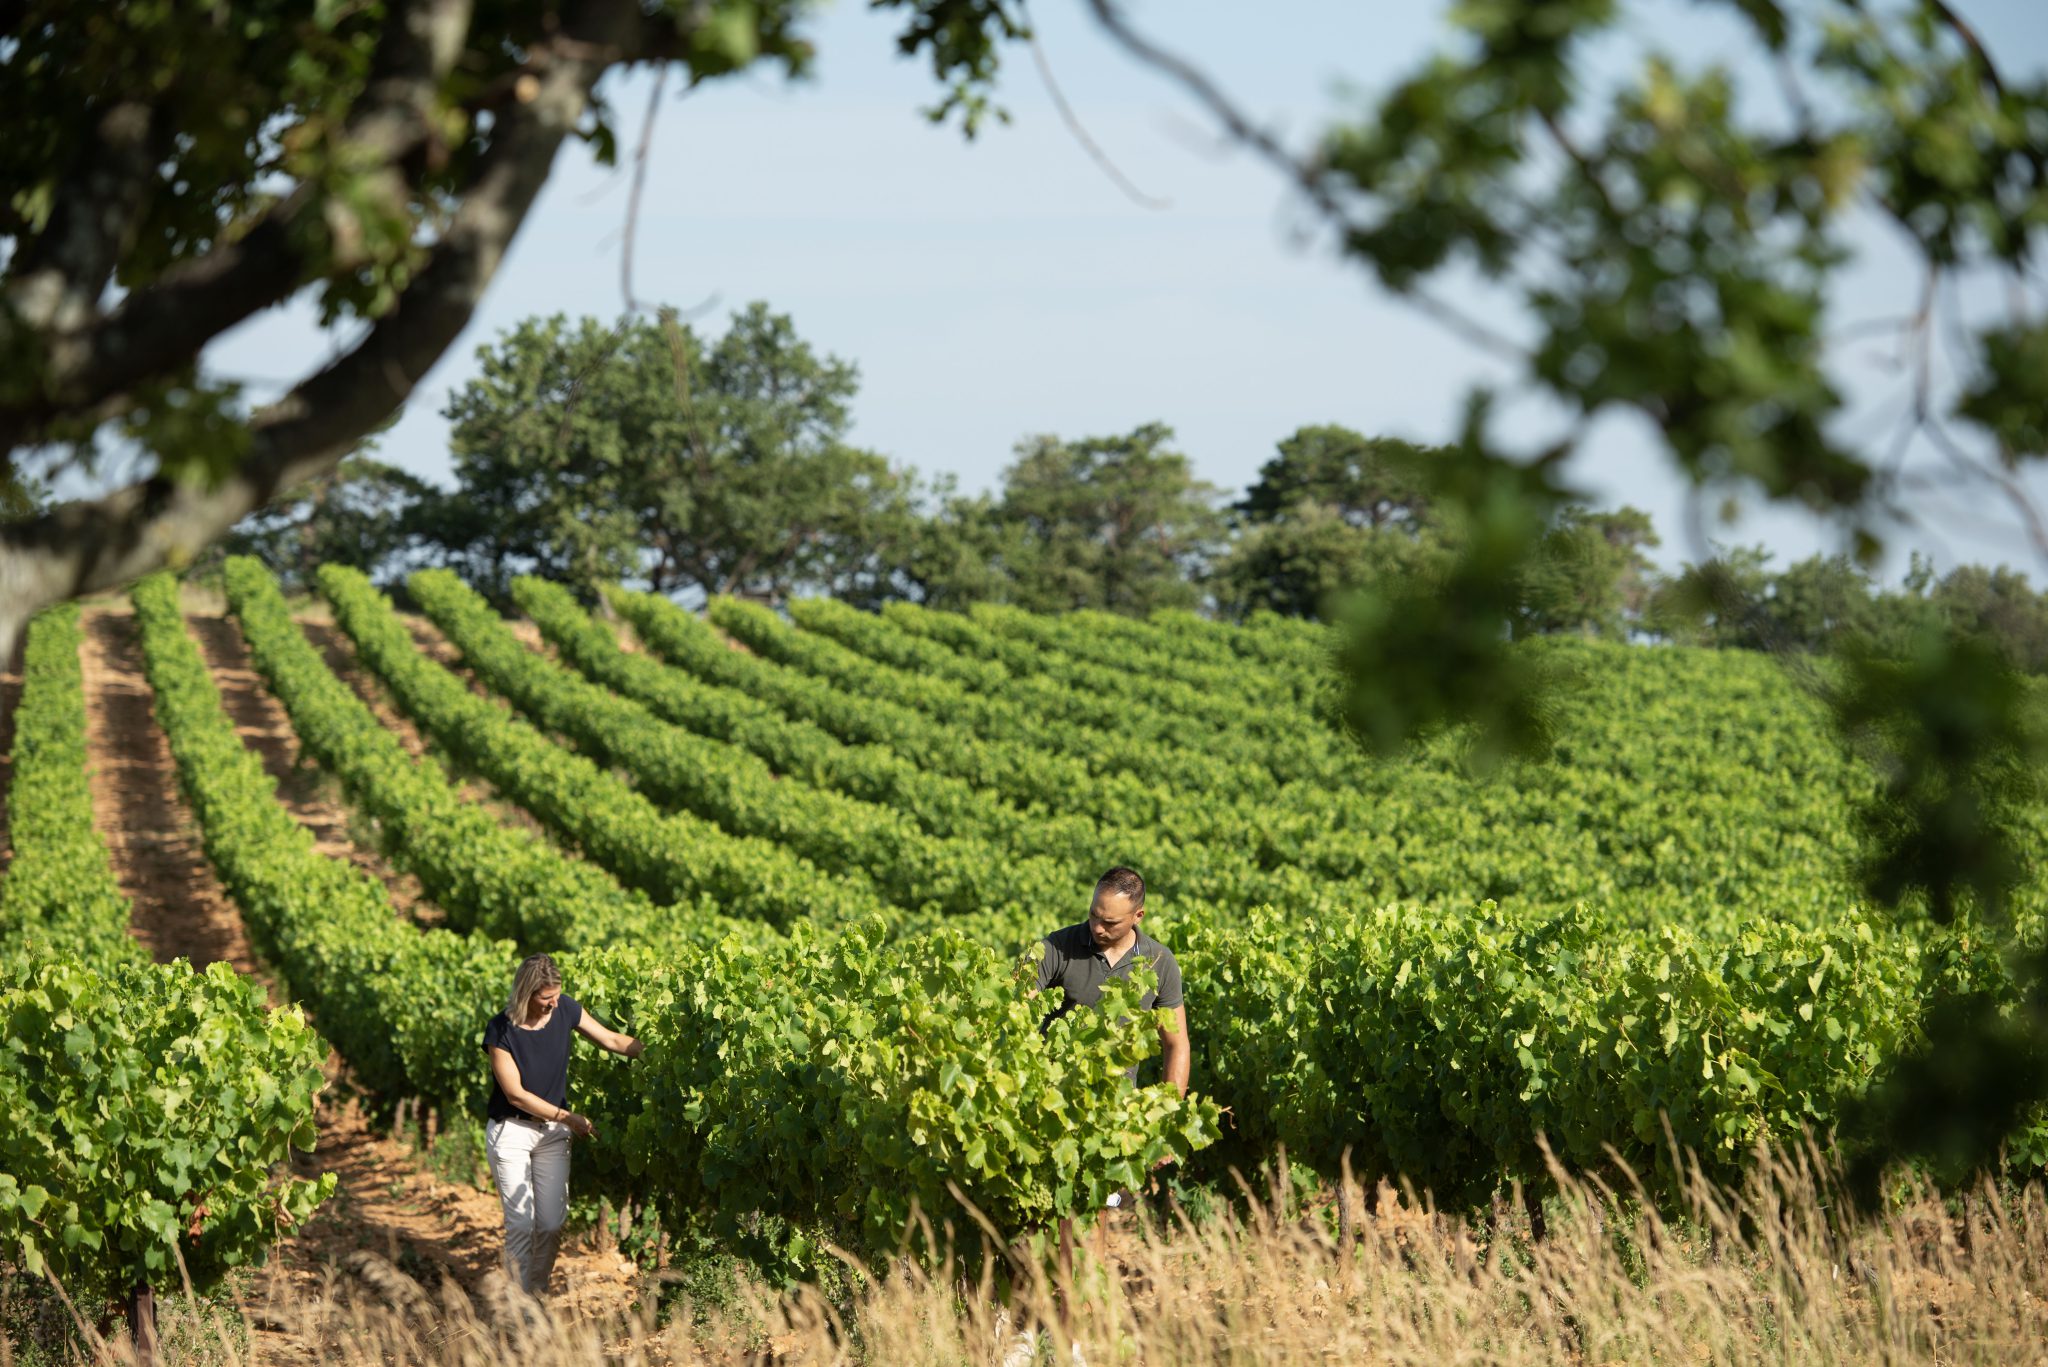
1137 947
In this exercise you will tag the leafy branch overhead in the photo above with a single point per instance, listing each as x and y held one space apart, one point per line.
176 170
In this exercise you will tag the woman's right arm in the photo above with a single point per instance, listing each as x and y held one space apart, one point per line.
506 1070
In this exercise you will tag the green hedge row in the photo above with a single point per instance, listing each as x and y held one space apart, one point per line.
484 874
1111 701
1199 850
833 1082
1147 750
731 786
60 892
673 857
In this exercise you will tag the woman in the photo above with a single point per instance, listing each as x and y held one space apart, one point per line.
530 1123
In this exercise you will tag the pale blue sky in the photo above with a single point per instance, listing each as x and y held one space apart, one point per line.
1006 287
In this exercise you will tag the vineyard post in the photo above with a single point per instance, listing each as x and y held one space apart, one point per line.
1346 1219
1063 1284
141 1310
1532 1201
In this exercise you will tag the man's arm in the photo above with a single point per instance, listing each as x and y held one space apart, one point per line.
1049 964
1173 1038
1173 1043
608 1039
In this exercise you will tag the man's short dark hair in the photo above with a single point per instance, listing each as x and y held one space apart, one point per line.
1125 882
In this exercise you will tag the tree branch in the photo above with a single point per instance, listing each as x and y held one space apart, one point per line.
1080 132
60 274
1588 171
637 188
1309 177
157 330
2030 516
1994 85
1986 68
81 547
160 329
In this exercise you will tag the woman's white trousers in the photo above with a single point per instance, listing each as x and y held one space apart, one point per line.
530 1164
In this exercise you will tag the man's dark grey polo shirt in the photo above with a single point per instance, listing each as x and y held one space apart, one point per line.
1073 964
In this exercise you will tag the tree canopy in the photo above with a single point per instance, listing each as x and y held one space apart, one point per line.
1367 481
1118 523
1332 510
592 454
362 514
1589 574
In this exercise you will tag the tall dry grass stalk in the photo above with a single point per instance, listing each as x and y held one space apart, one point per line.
1775 1273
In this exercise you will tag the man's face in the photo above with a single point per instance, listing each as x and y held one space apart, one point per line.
1111 917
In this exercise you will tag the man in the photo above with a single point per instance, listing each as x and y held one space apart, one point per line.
1081 958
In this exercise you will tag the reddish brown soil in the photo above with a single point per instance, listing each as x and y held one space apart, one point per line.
179 908
529 636
437 647
387 1203
442 651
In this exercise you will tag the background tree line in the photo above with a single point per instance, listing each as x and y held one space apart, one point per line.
644 451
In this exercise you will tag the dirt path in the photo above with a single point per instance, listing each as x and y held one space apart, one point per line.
528 634
387 1203
435 646
179 909
442 651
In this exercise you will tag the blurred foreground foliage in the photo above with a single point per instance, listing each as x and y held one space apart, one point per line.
1671 240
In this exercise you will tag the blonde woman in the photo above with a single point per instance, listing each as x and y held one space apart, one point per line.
530 1124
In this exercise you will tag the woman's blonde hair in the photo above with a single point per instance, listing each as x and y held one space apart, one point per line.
537 972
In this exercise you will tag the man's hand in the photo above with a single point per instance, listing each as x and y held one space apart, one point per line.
1177 1054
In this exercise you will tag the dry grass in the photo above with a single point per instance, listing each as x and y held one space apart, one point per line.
1774 1274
